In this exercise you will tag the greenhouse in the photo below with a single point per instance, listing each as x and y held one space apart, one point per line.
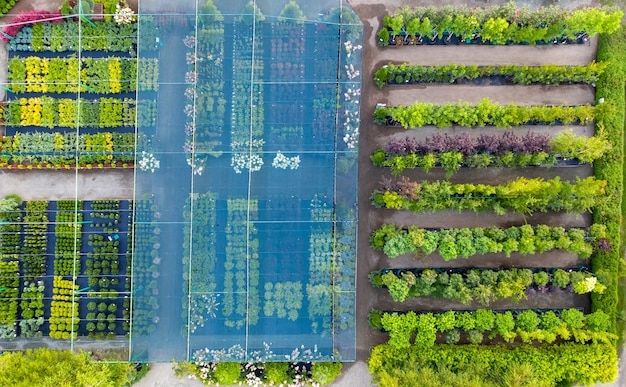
239 139
256 140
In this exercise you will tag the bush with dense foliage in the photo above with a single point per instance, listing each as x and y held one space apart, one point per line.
456 243
480 285
498 25
485 112
523 75
499 150
522 196
54 368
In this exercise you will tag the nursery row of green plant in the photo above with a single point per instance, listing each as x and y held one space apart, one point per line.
485 113
6 5
65 36
481 285
523 196
64 148
565 146
456 243
51 112
522 75
67 231
500 25
35 74
530 326
10 281
611 48
494 366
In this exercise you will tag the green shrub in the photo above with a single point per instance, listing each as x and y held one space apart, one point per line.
324 373
276 373
227 373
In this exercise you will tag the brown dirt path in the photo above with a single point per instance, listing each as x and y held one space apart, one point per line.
504 95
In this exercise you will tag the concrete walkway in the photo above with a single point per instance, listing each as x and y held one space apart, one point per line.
162 375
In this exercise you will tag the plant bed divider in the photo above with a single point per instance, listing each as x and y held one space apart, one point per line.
457 243
529 326
482 285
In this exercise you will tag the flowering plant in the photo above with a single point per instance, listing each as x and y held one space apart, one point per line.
284 162
123 15
148 162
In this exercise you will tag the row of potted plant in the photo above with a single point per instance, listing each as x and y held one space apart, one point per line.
283 299
543 326
143 256
110 75
64 318
319 291
205 101
35 242
241 300
64 112
247 125
482 285
63 35
9 282
67 231
51 150
506 150
392 74
496 25
485 112
522 195
199 261
31 309
454 243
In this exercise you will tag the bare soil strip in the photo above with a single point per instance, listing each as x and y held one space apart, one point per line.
504 95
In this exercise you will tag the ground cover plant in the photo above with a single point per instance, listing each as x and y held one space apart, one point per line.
392 74
496 25
498 150
454 243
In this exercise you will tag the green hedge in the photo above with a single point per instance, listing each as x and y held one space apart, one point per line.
489 366
611 48
486 112
523 75
522 196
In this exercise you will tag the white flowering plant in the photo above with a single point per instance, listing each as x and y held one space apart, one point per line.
148 162
283 162
124 15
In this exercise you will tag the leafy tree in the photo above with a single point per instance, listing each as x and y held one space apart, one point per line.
292 13
53 368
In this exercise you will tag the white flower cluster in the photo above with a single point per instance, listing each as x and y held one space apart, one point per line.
197 165
351 48
241 161
351 118
148 162
351 72
123 15
189 41
190 77
283 162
